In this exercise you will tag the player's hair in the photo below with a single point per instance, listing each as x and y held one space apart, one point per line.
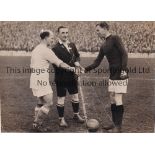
103 25
44 34
61 27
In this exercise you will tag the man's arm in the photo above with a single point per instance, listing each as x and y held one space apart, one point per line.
52 58
96 62
124 54
67 67
77 54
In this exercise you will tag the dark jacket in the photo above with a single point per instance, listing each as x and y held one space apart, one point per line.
68 57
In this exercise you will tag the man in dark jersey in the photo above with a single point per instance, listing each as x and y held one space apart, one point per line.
67 81
117 57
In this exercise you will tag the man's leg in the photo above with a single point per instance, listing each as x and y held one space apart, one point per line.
61 94
113 105
38 106
72 88
119 111
75 106
60 109
43 110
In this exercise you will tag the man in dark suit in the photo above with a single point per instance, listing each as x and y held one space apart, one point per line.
66 80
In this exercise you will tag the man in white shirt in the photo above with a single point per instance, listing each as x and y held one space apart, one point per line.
41 58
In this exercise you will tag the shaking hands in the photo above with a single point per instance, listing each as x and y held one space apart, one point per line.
77 70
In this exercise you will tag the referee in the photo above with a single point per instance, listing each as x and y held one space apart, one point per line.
117 57
67 81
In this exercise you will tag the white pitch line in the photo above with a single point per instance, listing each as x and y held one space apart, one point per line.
83 101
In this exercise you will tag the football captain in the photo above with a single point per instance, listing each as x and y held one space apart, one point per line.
117 57
41 58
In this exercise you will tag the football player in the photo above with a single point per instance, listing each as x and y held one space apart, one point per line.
117 57
41 58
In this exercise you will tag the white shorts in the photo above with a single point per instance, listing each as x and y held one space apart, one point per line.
40 84
42 92
118 86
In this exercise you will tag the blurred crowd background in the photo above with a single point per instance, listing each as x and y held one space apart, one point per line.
138 37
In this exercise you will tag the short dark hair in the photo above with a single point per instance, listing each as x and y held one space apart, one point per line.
44 34
61 27
103 25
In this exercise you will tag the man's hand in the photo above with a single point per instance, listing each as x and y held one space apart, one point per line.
123 75
72 69
79 70
77 64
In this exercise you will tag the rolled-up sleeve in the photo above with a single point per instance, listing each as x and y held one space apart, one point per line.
52 58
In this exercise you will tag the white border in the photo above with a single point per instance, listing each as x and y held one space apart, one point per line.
69 10
81 10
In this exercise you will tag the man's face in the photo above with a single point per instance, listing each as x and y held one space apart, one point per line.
50 39
63 34
101 32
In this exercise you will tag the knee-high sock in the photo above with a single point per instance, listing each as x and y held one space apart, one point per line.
75 106
60 109
113 111
119 115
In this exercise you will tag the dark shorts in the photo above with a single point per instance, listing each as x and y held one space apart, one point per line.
63 86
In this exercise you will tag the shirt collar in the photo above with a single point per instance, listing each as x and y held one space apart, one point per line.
67 42
108 36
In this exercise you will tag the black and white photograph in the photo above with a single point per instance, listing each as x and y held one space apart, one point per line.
77 76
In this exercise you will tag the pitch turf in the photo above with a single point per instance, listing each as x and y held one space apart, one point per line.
17 101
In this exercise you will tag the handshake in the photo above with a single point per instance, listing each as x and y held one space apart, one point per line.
78 69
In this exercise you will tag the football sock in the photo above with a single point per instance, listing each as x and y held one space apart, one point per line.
113 111
75 105
60 109
119 115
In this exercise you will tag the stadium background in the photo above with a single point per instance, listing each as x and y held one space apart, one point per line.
138 37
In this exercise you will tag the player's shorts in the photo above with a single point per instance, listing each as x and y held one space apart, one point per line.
42 92
118 86
40 85
63 86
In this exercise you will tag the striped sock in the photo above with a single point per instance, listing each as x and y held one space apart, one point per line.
60 109
75 105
